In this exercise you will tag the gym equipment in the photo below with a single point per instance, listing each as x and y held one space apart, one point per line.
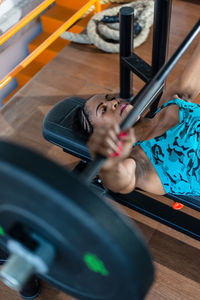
55 226
58 123
103 28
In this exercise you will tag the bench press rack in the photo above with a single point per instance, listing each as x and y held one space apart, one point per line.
58 123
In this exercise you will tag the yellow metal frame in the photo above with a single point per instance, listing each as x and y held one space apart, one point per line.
48 41
34 13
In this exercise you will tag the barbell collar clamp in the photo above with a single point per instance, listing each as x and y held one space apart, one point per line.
23 263
16 272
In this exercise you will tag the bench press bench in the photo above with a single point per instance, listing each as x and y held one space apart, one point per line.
58 126
58 129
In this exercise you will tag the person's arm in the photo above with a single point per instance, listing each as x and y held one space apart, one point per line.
187 86
118 171
121 177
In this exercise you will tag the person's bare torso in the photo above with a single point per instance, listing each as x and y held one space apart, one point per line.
146 175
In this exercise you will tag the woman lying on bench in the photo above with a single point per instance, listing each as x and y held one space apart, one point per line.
159 155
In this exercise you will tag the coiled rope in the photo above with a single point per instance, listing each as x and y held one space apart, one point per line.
106 36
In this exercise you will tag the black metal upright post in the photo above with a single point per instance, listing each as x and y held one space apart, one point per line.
161 29
126 49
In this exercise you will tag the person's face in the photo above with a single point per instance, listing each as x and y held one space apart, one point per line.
107 109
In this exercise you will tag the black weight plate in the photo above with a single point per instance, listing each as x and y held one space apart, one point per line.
99 254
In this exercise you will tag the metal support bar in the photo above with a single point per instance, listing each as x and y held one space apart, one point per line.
138 66
98 6
126 49
161 29
34 13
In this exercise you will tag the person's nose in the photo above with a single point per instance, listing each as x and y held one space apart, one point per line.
114 104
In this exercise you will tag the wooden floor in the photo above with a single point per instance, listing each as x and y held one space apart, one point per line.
84 70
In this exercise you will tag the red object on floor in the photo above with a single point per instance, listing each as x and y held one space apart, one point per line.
177 205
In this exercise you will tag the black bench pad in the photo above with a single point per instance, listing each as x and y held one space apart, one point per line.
58 128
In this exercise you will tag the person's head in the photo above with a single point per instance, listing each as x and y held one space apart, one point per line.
102 109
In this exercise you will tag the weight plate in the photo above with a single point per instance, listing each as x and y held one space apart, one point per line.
99 254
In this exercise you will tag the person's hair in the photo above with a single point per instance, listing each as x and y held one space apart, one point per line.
82 121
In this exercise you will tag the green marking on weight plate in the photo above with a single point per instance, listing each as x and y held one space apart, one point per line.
95 264
1 231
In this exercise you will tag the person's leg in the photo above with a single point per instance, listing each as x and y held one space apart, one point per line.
190 82
187 86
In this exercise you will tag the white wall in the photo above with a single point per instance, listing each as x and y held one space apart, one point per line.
14 54
5 6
